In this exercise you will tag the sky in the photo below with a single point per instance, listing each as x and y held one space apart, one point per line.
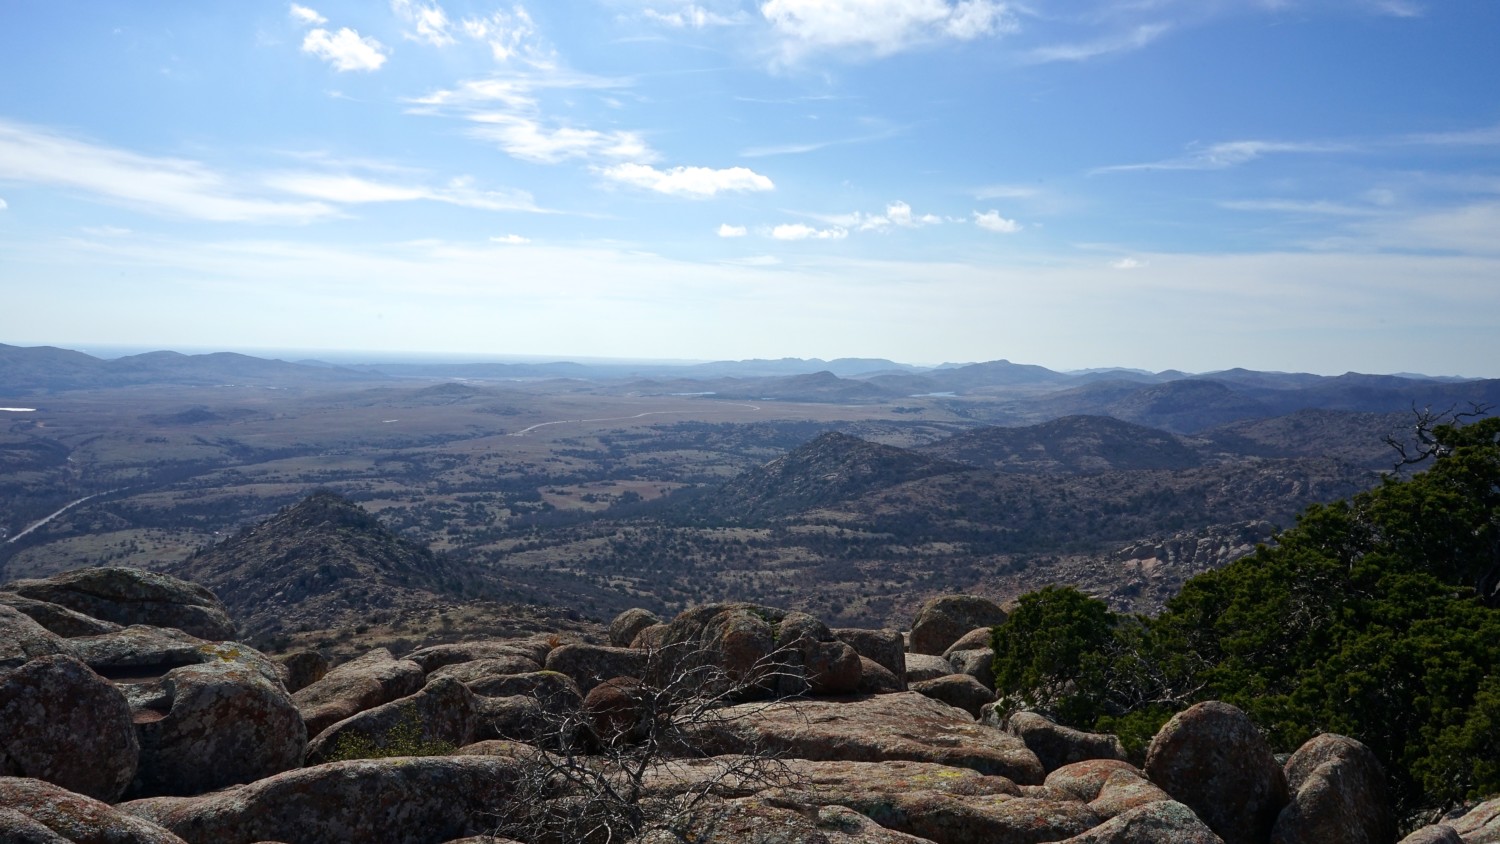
1299 185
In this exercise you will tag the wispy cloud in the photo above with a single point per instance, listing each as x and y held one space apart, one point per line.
814 146
507 111
1484 136
1127 264
1227 154
802 231
169 186
726 230
897 214
510 240
882 27
1298 206
693 182
1132 39
691 16
430 24
511 35
347 189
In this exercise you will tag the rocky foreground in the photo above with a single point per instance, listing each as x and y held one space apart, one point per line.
128 713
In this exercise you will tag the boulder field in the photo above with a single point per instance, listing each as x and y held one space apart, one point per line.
128 713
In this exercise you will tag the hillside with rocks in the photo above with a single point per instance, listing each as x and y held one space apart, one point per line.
129 717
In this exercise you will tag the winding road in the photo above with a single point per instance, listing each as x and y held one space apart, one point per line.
65 508
524 431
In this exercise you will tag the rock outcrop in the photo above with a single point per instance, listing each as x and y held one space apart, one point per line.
128 596
944 619
904 726
35 811
1055 744
371 801
357 685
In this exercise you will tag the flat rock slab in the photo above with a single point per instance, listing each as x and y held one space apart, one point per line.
406 800
903 726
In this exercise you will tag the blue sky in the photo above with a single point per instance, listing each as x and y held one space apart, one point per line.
1196 184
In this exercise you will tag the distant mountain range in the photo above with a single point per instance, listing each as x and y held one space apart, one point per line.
997 392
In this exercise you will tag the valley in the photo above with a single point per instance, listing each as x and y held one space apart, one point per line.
608 489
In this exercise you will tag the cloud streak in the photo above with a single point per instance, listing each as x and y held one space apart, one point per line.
164 186
692 182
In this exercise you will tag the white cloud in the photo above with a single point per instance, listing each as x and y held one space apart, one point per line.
1127 264
1227 154
511 240
883 26
992 221
802 231
170 186
726 230
508 113
346 189
1486 136
302 14
511 35
698 182
691 16
3 205
429 19
1133 39
345 50
526 138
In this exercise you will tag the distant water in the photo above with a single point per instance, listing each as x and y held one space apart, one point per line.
17 410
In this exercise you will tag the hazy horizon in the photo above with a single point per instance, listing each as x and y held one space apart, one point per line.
1174 184
377 356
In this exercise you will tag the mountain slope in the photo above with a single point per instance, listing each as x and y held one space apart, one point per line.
1072 444
834 467
321 563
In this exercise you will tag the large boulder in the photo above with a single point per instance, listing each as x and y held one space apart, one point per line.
357 685
223 723
976 639
371 801
440 718
1435 834
944 619
978 663
1338 793
134 596
302 669
143 654
902 726
433 657
590 665
32 810
22 639
762 650
57 618
1055 744
819 782
628 624
1481 824
555 691
477 671
958 690
921 667
1153 823
517 718
887 647
1211 758
876 679
67 725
